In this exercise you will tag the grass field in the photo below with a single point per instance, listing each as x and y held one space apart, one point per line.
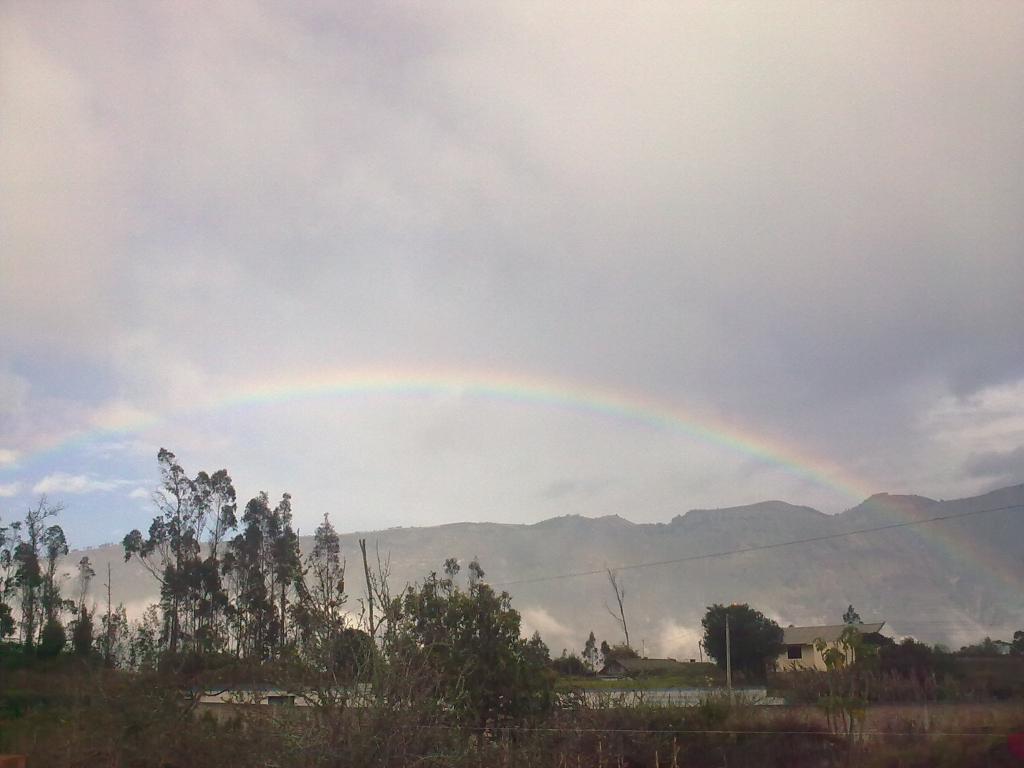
694 676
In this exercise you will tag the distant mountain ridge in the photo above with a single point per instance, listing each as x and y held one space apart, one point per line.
952 581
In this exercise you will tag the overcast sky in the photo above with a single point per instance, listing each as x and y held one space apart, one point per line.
800 219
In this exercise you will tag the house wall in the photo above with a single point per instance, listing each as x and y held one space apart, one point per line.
612 669
247 696
811 659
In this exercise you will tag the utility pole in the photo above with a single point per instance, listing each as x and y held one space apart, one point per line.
369 589
728 658
108 649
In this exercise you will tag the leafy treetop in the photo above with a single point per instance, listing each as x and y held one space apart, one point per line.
755 639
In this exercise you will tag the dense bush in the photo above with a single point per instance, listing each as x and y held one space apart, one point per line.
52 640
755 640
571 665
471 640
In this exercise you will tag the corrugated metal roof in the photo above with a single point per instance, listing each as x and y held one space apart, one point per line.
829 632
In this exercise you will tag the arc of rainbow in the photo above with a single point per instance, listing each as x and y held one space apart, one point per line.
540 392
557 395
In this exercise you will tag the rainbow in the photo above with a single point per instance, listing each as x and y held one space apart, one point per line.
558 396
523 391
553 394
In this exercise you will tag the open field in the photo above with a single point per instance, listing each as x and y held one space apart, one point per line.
692 676
70 718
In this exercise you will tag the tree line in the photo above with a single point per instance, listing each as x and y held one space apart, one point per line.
234 584
236 589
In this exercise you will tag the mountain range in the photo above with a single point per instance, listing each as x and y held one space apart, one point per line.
951 581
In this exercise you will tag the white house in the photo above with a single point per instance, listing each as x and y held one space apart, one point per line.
801 651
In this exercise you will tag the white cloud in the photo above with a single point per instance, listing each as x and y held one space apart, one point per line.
139 493
119 450
678 641
7 490
8 456
136 608
966 435
991 418
554 633
62 482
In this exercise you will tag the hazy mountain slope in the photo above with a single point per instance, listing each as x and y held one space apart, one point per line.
949 581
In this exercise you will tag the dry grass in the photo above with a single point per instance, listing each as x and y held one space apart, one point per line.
110 719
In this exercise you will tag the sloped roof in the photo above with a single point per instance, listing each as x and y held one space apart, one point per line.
828 632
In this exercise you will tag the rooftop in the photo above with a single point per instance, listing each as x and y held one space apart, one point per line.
827 632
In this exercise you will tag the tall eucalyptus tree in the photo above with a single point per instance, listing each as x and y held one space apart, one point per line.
191 596
37 588
263 566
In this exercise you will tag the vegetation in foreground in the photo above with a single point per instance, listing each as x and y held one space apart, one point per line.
437 674
72 715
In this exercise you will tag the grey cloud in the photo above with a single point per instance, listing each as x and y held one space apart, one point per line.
805 223
560 490
1007 465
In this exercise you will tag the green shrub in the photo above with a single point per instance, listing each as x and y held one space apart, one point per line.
52 640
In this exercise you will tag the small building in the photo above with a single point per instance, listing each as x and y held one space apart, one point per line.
635 667
801 652
250 694
359 695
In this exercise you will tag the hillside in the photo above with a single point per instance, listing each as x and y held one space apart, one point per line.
950 581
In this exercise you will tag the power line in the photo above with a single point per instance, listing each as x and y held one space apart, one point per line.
761 547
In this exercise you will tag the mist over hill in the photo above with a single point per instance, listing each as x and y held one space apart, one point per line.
950 581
